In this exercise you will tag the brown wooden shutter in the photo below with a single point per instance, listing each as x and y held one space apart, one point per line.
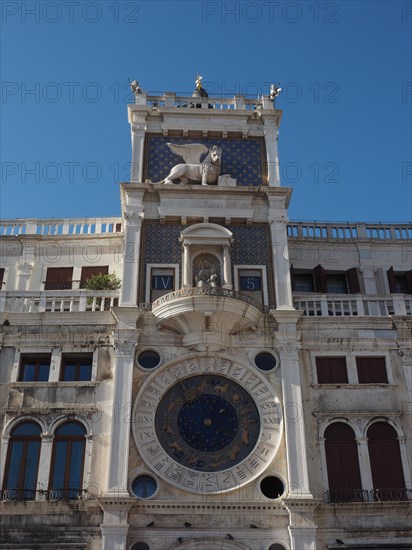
342 462
371 370
352 276
58 278
391 280
88 272
385 457
319 275
409 281
331 370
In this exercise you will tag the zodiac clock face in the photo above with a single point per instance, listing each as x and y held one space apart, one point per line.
207 424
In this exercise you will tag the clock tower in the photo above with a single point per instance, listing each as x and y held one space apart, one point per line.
208 447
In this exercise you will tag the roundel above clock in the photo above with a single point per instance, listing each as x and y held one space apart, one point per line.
207 424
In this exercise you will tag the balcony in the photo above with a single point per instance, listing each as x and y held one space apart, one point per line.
337 305
205 313
49 495
57 301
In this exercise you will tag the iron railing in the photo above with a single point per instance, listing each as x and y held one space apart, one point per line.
374 495
49 495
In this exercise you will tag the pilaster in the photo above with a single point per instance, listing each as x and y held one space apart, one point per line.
280 258
131 256
288 342
302 523
270 131
120 429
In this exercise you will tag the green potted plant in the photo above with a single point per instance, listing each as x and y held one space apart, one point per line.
102 282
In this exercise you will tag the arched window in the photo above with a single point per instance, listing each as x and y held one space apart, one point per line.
22 462
342 463
386 463
66 476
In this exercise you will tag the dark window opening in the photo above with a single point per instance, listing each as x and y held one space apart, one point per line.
22 462
272 487
265 361
34 368
76 367
303 282
386 462
58 278
342 464
399 283
371 370
66 475
88 272
148 359
336 283
331 370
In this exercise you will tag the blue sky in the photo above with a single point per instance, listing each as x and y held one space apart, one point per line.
344 66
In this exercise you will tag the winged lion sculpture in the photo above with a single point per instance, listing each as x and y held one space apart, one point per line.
205 172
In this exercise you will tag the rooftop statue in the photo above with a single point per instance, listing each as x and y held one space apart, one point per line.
206 172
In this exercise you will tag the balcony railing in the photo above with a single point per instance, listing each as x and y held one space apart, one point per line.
348 231
329 305
361 495
206 291
49 495
80 226
18 301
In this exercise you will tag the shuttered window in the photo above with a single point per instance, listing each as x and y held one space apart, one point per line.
88 272
326 282
58 278
342 463
385 461
331 370
371 370
1 276
400 282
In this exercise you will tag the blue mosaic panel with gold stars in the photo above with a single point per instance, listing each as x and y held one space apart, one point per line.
242 159
251 246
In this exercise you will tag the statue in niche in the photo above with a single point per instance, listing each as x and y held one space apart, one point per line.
206 172
206 268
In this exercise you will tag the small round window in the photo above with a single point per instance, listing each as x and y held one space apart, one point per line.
265 361
272 487
144 486
148 359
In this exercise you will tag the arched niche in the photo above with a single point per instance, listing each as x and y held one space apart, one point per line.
212 243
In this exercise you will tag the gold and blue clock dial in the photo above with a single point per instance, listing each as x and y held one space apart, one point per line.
207 423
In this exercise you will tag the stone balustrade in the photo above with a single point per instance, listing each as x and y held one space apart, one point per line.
336 305
17 301
78 226
172 100
349 231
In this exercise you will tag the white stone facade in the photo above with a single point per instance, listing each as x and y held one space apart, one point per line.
226 308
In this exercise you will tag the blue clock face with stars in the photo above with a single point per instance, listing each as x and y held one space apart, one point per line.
207 423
